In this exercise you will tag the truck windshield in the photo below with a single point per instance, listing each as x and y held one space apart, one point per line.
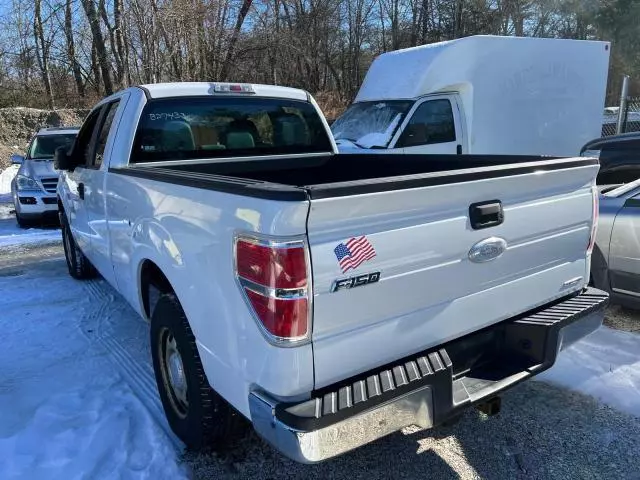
370 124
208 127
43 147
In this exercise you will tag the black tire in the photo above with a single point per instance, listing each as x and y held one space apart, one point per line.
23 223
79 266
599 271
206 421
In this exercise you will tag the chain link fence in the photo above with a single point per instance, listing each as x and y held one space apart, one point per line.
624 118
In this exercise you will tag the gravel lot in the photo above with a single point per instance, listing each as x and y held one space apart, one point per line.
543 432
622 318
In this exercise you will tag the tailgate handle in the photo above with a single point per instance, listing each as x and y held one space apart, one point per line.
486 214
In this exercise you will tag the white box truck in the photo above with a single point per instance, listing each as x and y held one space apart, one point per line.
480 95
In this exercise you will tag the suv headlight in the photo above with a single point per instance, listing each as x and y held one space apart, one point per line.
26 183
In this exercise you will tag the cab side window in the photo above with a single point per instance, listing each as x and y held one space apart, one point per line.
103 134
432 122
84 142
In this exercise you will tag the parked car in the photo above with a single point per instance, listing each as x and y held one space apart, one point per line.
615 265
34 186
480 95
330 299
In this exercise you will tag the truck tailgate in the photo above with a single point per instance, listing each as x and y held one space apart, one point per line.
420 240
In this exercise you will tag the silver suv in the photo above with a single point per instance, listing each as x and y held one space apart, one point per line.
34 186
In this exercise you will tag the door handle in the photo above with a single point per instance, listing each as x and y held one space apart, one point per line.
486 214
81 190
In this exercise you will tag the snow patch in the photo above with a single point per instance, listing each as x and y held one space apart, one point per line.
69 411
12 236
6 176
605 365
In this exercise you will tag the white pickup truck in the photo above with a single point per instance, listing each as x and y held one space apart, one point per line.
329 299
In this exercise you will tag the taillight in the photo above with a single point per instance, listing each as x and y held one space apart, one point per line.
594 225
274 279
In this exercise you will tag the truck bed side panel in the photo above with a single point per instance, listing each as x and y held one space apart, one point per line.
188 232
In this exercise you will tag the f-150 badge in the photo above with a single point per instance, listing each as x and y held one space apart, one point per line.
353 282
354 252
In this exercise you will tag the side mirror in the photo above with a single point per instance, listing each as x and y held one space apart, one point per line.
62 160
16 159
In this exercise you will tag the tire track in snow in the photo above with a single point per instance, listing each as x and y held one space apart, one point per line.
138 375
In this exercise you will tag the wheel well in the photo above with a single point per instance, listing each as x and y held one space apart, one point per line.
153 283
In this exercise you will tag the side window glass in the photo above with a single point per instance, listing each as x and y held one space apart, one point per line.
82 147
103 134
619 163
432 122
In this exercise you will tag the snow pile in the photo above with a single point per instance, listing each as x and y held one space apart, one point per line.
605 365
68 411
6 176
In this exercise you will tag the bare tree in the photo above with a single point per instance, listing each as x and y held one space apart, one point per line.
324 46
71 48
242 14
42 51
99 46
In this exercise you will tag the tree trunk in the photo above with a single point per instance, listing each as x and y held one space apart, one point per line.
100 47
457 22
120 43
42 52
226 66
71 49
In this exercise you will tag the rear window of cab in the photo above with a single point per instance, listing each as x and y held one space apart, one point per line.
209 127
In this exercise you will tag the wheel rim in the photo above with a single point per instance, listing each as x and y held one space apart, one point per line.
173 374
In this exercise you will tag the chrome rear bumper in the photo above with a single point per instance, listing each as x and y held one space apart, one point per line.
428 388
415 408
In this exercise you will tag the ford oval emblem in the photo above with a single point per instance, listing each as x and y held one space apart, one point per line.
487 250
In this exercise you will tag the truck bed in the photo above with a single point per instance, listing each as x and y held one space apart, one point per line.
324 176
416 213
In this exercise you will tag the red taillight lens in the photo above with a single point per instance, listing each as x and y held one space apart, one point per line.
282 318
595 215
273 277
271 266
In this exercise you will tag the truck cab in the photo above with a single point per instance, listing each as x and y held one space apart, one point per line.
479 95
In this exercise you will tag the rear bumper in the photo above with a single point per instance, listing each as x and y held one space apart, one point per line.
427 388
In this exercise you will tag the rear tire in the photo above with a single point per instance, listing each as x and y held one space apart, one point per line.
200 417
79 266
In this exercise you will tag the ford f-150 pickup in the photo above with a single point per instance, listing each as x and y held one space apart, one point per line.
329 299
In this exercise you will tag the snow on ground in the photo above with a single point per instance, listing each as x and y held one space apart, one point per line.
75 403
605 365
12 236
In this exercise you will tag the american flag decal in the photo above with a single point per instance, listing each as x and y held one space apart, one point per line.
352 253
